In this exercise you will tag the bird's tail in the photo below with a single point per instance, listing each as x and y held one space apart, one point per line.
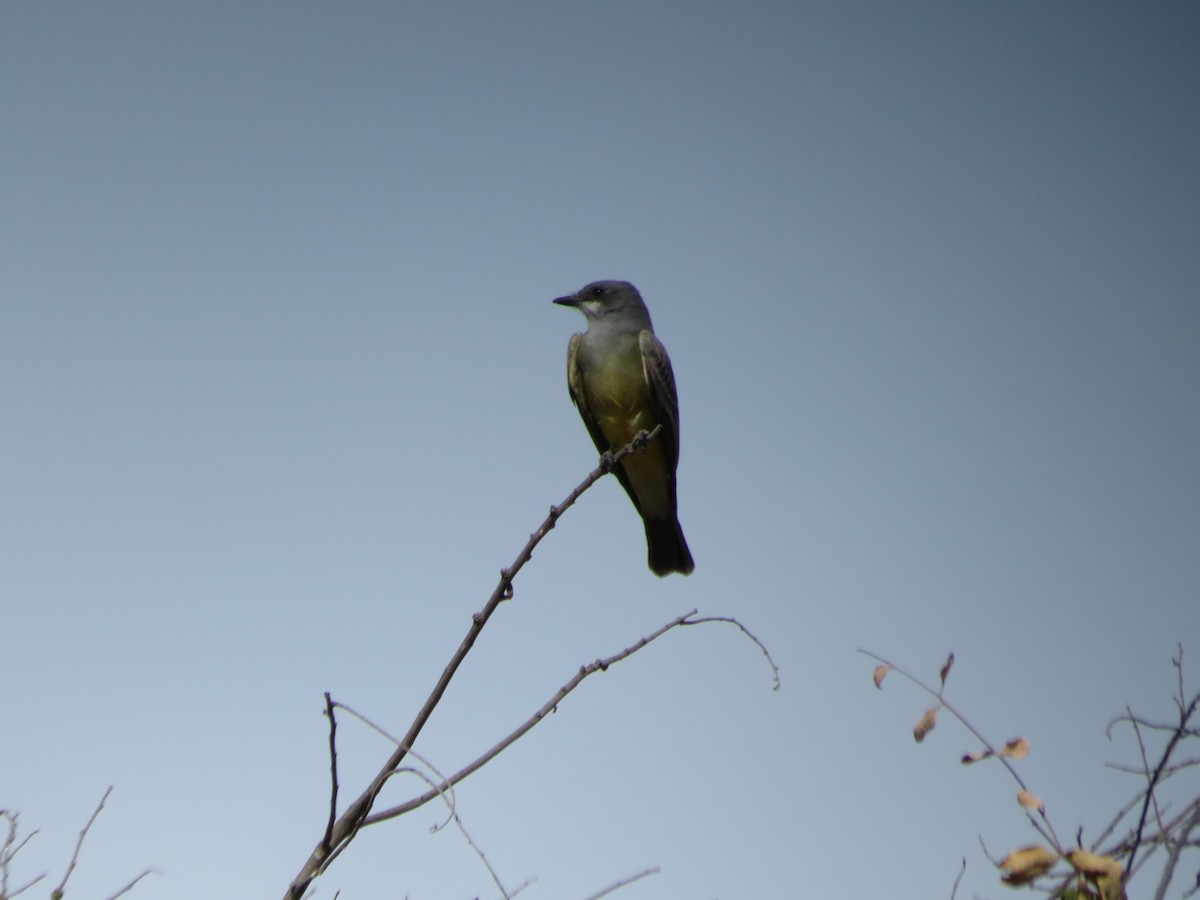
667 550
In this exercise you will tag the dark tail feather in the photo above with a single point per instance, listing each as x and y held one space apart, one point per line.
667 550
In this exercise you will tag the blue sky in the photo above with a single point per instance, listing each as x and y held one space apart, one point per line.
283 390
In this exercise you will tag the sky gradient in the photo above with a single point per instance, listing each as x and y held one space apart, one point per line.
284 389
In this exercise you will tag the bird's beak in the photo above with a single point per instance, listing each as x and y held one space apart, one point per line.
569 300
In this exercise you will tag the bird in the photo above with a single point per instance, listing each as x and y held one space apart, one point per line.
620 378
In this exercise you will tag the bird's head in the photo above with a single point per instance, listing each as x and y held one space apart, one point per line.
609 301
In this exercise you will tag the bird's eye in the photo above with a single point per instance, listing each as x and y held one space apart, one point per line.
596 291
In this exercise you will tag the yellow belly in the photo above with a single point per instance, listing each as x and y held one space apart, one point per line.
619 398
620 402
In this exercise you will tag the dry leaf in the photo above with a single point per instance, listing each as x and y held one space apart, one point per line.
880 674
1024 865
1029 801
975 757
926 724
947 667
1017 748
1094 865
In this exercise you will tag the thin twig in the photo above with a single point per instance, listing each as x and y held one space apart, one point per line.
1152 726
26 887
445 787
57 893
448 799
8 851
1121 814
1185 713
1173 828
350 821
368 722
961 872
129 887
532 879
1167 772
1044 826
746 631
615 886
1173 850
547 708
1177 662
333 773
447 795
1137 731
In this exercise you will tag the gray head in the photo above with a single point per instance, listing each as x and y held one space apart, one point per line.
610 304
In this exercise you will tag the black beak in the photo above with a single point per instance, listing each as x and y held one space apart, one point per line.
569 300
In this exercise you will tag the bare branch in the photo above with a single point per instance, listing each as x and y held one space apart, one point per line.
448 798
746 631
447 795
1041 821
1167 772
653 870
548 707
1185 713
986 854
1174 849
129 887
25 887
351 820
57 893
326 842
961 872
1177 662
1145 723
524 884
1116 820
1137 731
8 851
1173 829
368 722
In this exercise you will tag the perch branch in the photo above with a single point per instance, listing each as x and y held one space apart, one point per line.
351 820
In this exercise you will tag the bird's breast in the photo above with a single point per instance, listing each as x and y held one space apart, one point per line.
618 395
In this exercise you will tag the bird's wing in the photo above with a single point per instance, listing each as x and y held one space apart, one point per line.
656 366
579 395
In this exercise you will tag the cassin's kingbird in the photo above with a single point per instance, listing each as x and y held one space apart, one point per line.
620 379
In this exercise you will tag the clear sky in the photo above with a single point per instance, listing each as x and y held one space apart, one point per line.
282 390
